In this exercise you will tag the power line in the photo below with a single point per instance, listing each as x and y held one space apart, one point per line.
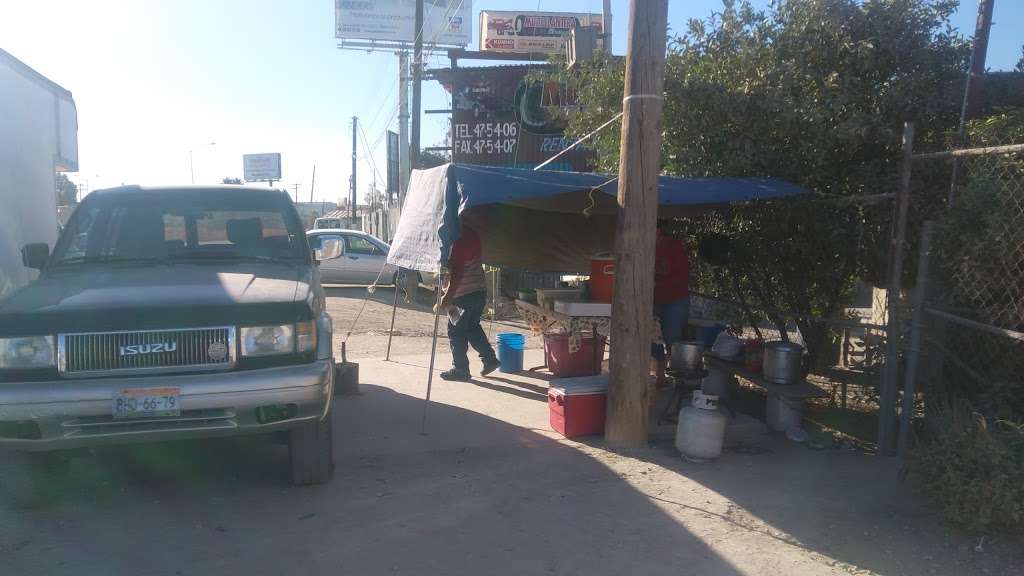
395 84
376 143
369 155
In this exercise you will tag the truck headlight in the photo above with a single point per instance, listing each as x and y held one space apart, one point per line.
268 340
27 352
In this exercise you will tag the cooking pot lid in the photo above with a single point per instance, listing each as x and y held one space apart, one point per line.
688 344
785 347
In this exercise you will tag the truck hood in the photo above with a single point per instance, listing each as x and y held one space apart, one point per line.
172 296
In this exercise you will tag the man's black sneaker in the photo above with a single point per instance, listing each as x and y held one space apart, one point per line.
490 367
454 375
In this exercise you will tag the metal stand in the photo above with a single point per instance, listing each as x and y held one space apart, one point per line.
669 414
394 308
433 354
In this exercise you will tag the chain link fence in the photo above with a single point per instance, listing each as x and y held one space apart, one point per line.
972 308
962 418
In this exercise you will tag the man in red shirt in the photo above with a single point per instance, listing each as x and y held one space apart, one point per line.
465 288
671 294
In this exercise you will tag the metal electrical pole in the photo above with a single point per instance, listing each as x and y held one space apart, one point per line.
352 187
606 24
417 75
975 81
312 185
404 166
891 369
639 159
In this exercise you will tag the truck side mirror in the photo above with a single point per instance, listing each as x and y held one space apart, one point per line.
35 255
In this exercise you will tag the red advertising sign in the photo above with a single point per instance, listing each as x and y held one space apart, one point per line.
532 32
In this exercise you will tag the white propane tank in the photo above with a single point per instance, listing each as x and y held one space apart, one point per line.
701 429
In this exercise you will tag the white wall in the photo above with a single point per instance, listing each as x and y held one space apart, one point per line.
38 135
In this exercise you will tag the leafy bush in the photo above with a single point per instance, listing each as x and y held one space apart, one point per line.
973 466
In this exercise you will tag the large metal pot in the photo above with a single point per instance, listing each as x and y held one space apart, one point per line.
782 362
687 356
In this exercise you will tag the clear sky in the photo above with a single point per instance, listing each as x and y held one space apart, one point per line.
154 79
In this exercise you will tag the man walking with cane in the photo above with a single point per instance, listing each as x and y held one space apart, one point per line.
465 296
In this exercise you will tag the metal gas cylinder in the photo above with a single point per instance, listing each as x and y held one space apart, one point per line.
701 429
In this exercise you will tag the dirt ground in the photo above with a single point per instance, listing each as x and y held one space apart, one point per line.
362 320
488 489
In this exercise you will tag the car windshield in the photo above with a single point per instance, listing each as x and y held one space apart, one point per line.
166 227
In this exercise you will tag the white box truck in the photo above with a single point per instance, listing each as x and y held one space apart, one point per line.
38 138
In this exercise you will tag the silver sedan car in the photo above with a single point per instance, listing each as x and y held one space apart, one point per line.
364 260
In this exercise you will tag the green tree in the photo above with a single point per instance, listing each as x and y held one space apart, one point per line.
433 159
814 92
67 191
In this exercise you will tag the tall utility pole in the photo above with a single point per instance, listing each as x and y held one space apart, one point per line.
606 19
979 52
417 81
639 164
312 185
975 82
404 166
352 187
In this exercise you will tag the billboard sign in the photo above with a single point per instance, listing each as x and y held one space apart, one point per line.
445 22
502 117
532 32
261 167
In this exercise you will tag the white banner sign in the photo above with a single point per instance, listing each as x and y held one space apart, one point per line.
445 22
537 32
261 167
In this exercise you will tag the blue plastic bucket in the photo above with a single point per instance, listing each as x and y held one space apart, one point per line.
510 351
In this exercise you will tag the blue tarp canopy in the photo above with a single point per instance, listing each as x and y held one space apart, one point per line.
541 220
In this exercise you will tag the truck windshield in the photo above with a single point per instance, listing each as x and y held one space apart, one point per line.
147 229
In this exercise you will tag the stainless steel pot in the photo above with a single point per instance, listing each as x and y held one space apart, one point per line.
687 356
782 362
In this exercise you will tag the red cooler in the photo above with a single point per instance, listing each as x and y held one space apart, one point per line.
564 364
576 406
602 278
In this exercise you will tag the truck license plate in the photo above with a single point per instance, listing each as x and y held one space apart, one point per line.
147 402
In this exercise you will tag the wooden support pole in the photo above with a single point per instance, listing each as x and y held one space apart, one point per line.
891 370
639 164
973 87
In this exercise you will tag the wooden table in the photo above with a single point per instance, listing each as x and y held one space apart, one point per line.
795 391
